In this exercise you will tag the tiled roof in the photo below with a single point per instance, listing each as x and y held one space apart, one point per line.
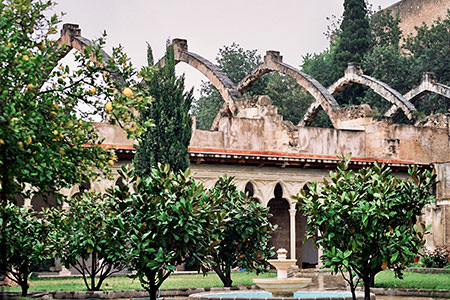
212 155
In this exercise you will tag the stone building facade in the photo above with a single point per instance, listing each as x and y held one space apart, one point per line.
273 159
413 13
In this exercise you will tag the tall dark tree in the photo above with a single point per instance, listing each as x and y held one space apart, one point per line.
166 142
354 38
352 43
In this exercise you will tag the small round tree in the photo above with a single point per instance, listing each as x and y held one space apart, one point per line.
365 221
244 233
25 238
165 217
88 241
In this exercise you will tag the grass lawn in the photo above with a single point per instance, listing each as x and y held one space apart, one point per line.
413 280
383 279
122 282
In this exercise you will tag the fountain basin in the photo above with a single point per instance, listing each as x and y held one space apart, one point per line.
282 287
249 295
282 266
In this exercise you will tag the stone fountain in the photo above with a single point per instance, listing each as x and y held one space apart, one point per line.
282 286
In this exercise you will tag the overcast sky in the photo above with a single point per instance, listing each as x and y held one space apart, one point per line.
293 27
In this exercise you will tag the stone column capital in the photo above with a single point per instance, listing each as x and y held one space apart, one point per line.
292 212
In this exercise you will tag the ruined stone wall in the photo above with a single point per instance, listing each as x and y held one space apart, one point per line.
413 13
407 142
328 141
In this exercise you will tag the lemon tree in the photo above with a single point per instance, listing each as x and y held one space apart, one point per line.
365 221
26 239
47 142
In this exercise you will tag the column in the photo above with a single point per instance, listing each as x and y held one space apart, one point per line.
319 255
292 239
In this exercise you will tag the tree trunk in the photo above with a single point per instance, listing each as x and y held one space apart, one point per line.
227 282
24 286
367 288
226 278
93 271
153 293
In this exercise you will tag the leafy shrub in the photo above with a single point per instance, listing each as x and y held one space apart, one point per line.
437 258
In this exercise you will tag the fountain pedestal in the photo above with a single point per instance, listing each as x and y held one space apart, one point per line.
282 286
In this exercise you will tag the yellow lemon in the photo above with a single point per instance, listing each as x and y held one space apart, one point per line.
2 142
55 132
108 106
20 144
111 162
30 86
133 126
62 152
29 140
127 92
25 57
93 90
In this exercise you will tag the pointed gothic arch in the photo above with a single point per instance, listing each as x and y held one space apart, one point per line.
427 85
354 74
273 62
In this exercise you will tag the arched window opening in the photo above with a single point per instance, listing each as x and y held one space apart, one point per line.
249 190
120 182
278 192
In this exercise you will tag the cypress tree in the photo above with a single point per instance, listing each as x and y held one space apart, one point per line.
168 139
354 39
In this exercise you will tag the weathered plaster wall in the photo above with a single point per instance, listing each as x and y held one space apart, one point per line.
328 141
407 142
207 139
413 13
112 134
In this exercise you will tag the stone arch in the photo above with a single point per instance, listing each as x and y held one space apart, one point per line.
286 191
427 85
71 37
119 181
284 215
273 62
308 255
257 194
279 209
44 200
249 189
218 78
78 190
354 74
